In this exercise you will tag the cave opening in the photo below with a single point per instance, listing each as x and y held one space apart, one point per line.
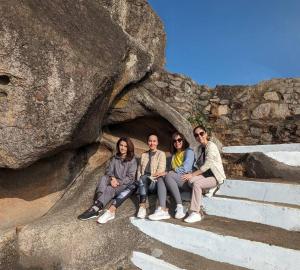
139 128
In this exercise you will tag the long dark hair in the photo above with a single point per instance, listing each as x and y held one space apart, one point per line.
185 143
130 148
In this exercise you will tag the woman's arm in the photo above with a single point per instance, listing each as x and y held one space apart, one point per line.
110 168
162 163
188 176
189 158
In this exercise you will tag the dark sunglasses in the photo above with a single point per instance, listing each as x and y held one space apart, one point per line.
178 140
201 133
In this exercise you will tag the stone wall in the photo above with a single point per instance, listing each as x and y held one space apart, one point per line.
268 112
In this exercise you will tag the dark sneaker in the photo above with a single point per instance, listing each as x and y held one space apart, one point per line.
88 214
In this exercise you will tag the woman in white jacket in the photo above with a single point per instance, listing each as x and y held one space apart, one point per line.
209 172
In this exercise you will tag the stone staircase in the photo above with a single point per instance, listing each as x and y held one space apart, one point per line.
251 224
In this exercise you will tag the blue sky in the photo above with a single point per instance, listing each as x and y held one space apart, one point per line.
231 41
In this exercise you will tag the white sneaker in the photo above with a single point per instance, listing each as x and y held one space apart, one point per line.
180 211
107 216
193 217
159 214
142 212
211 192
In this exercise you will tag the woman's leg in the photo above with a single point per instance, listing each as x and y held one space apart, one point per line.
143 188
124 195
161 212
97 206
101 186
108 194
173 182
199 183
161 192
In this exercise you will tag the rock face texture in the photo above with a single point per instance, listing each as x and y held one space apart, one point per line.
60 67
139 21
258 165
27 194
237 115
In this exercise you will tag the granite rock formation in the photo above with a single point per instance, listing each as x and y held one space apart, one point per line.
61 64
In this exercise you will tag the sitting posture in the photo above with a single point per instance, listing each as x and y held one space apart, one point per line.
119 176
209 172
152 168
182 163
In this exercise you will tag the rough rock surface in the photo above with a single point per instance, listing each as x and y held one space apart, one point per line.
27 194
268 112
8 250
139 21
258 165
61 65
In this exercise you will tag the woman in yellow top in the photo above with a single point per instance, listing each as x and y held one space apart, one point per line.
183 158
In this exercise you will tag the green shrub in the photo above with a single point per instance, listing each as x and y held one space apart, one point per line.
200 119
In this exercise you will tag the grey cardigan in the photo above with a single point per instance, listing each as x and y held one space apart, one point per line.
124 171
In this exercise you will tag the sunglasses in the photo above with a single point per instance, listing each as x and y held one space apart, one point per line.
201 134
178 140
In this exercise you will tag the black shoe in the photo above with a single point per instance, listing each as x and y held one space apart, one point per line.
88 214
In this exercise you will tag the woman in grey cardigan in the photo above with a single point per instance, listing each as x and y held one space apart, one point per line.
119 175
209 174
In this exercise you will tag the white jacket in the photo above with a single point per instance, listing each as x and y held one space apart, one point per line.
213 161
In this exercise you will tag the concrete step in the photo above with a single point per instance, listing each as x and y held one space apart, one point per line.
277 215
147 262
225 241
162 256
157 252
262 190
286 153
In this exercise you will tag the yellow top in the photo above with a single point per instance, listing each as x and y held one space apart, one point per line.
177 160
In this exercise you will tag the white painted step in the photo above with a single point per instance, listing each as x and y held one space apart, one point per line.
261 191
288 147
227 249
147 262
265 213
285 153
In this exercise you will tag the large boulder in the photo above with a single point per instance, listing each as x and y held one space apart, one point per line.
258 165
61 64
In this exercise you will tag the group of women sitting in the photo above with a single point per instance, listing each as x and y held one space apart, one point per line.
196 171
